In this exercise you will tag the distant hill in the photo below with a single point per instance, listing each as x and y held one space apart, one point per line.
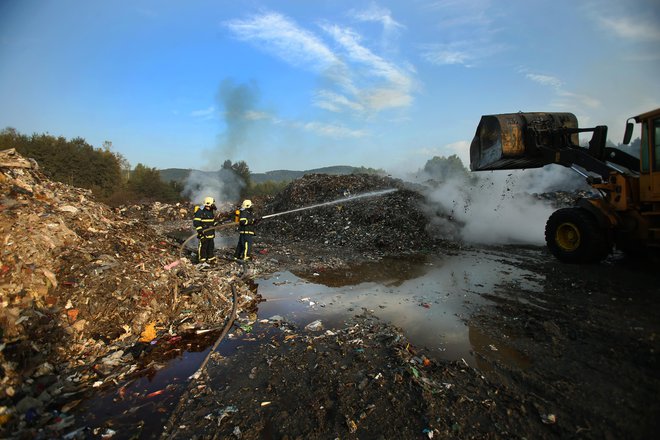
180 175
177 174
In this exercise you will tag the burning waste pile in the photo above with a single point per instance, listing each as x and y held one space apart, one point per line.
353 211
86 293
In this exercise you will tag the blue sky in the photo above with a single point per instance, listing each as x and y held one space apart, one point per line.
296 84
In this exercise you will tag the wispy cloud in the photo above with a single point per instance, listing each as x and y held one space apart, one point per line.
634 22
375 13
396 87
333 130
357 79
336 102
459 21
204 113
544 80
464 52
563 98
447 54
278 34
637 29
568 100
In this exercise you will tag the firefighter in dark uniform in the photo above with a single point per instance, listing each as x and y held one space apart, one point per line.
246 221
203 220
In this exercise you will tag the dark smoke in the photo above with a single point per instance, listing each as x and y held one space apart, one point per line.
239 104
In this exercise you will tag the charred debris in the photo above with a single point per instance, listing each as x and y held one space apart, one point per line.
88 291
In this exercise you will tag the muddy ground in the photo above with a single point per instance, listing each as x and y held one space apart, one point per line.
94 298
578 359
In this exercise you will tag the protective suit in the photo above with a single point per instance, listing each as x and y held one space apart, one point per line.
246 222
203 220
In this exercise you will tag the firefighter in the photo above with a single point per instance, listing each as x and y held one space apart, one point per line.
203 221
246 221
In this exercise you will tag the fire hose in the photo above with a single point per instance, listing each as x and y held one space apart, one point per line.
183 245
232 316
197 374
229 224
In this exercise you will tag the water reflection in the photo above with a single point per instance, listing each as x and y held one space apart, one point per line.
388 272
429 298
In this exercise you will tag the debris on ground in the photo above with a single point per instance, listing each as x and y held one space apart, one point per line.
380 225
88 305
365 380
83 289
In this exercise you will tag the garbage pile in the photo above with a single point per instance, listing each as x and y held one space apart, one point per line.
389 223
562 199
84 291
365 380
157 211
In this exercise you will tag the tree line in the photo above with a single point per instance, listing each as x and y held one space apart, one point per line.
108 174
105 172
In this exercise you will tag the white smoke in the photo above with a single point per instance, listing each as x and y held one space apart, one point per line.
223 185
497 207
549 178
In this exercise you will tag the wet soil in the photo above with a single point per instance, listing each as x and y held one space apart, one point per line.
565 351
97 307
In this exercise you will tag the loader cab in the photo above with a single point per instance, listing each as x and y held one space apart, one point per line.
649 179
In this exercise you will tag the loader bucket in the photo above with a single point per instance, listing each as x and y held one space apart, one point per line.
511 140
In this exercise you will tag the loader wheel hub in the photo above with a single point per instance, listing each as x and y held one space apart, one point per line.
568 237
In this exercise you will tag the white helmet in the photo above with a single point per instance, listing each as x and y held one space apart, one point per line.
246 204
209 201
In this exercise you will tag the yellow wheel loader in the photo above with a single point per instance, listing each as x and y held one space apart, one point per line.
626 214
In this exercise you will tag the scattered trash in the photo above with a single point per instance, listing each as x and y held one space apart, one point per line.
149 333
154 394
172 265
549 419
314 326
226 412
72 314
109 433
352 426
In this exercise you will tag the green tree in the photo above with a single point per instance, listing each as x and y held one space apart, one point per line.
145 184
70 161
241 171
444 168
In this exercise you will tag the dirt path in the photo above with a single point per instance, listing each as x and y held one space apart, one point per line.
576 359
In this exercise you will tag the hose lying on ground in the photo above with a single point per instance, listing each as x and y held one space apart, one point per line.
200 370
183 245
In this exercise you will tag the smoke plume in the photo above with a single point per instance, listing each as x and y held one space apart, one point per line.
497 207
238 102
223 185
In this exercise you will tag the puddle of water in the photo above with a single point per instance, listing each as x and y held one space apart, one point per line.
428 298
139 408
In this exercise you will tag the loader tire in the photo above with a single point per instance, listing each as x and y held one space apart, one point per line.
574 236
